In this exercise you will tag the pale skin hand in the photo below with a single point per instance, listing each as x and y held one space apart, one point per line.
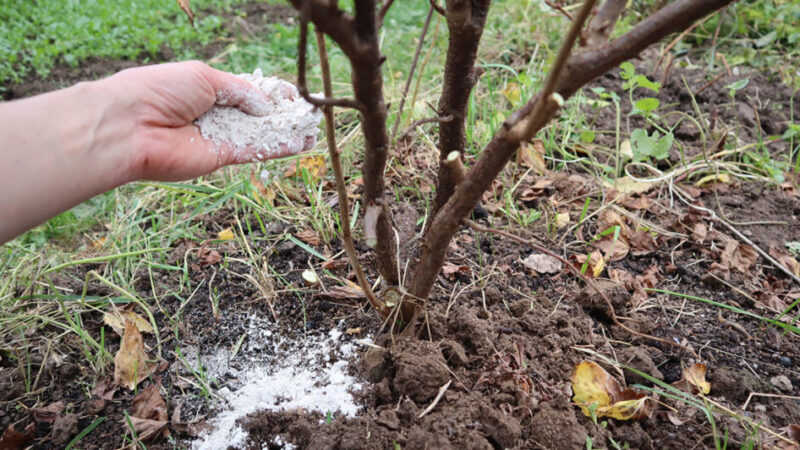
62 148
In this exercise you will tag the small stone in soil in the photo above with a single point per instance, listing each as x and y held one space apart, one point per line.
786 361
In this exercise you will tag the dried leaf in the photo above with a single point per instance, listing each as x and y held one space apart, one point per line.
116 320
13 439
314 165
104 390
643 242
639 202
714 177
49 413
738 256
343 292
694 380
596 392
592 385
699 232
614 249
208 257
628 185
351 331
184 4
226 234
310 237
130 362
793 431
594 262
531 155
451 270
147 429
541 263
149 404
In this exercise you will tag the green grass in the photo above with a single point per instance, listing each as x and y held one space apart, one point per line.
36 35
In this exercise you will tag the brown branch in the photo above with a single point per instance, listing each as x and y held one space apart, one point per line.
384 9
437 8
603 22
579 70
559 8
329 19
419 122
411 72
534 245
301 70
465 22
341 188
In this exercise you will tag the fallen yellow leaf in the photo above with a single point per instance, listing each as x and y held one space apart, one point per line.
512 93
628 185
130 362
694 379
720 177
314 165
226 235
598 393
116 320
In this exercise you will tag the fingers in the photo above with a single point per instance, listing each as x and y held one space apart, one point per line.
234 91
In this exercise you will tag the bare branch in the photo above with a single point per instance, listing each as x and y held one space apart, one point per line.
559 8
301 70
411 72
329 19
341 190
603 22
579 70
384 9
437 8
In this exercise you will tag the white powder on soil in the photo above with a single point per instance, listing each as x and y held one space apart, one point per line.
289 124
283 374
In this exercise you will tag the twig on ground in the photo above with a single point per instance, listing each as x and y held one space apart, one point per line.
435 401
341 189
419 122
534 245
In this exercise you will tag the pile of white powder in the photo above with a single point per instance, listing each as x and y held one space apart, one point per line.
279 374
289 123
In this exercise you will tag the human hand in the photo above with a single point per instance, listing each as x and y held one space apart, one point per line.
152 109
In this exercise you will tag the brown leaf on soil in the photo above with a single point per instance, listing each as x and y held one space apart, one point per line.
208 257
738 256
310 237
14 440
793 431
614 250
184 4
785 259
541 263
146 429
699 232
450 270
49 413
532 156
639 202
720 271
149 414
104 390
694 380
334 264
130 362
643 242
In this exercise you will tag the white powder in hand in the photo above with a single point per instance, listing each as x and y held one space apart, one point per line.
290 124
